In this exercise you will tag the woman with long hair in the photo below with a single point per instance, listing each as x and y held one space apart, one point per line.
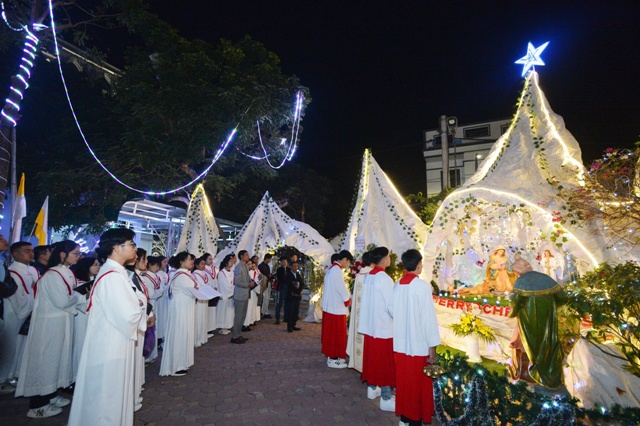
177 355
47 362
225 309
85 271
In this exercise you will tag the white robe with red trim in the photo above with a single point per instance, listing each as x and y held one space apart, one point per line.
104 392
202 311
154 287
374 319
80 322
16 310
225 309
47 359
253 310
212 313
178 352
162 312
415 326
335 292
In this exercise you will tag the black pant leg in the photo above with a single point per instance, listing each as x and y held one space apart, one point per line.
39 401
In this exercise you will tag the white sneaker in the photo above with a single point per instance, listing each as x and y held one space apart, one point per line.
225 331
59 401
42 412
388 404
403 423
336 363
373 393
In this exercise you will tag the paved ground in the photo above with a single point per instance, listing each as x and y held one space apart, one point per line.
275 378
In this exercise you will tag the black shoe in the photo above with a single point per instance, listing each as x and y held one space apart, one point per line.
247 328
297 328
243 338
289 330
267 316
237 340
210 333
277 322
180 373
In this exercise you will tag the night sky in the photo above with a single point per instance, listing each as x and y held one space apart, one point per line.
382 72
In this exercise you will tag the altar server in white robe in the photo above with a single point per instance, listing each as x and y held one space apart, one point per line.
375 323
202 306
226 307
163 306
85 271
335 308
47 362
415 338
177 355
16 310
153 281
104 387
355 340
212 273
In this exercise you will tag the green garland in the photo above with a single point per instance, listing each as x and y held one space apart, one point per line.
469 389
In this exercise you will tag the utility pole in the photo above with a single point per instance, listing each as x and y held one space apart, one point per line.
14 183
444 142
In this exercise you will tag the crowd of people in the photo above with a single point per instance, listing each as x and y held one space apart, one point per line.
399 328
89 324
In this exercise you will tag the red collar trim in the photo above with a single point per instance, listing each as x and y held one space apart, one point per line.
336 264
407 278
376 269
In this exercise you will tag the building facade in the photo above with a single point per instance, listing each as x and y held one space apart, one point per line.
472 144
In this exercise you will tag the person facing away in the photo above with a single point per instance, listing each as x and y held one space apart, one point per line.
104 391
415 338
376 324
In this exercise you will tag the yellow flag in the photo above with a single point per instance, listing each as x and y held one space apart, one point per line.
19 212
42 224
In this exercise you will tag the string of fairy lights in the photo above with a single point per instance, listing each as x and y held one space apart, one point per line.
12 107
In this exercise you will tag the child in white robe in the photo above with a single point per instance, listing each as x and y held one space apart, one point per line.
202 306
225 308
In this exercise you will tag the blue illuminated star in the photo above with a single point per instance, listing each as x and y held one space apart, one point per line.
532 57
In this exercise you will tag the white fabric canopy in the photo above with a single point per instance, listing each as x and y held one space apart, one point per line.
269 228
381 216
200 232
595 374
512 200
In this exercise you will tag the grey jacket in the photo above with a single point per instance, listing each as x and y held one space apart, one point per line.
242 288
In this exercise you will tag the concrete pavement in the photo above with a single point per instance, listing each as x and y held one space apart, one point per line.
274 378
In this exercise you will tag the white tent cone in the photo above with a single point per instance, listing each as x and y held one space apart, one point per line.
200 232
512 200
381 216
269 228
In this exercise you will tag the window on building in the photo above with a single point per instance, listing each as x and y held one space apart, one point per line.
454 178
477 132
504 128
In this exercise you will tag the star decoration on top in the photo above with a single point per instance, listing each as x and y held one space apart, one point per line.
532 57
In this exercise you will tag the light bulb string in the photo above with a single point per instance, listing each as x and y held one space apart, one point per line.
200 176
6 20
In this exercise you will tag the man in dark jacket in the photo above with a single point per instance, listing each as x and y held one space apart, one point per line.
294 294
